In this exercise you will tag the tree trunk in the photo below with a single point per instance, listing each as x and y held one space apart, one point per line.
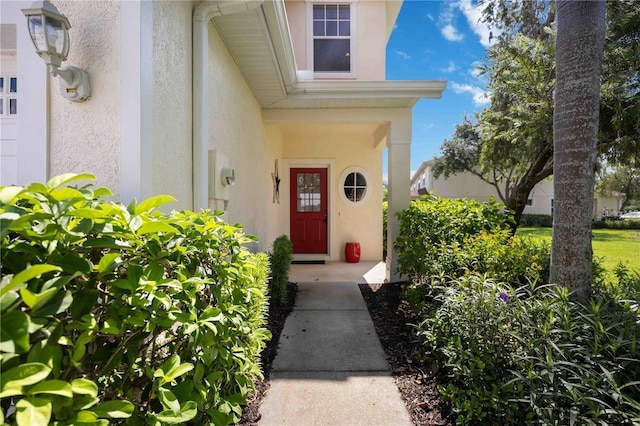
579 47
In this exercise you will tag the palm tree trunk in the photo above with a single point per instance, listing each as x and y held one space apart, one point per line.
579 47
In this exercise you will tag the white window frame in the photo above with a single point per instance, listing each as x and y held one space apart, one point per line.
365 197
352 37
6 96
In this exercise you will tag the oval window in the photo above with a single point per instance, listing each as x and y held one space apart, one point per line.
355 187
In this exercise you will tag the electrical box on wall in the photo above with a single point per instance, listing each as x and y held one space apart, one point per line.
221 177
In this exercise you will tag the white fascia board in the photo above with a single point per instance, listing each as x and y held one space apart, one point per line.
280 38
370 89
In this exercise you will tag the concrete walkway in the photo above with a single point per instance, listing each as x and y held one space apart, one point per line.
330 368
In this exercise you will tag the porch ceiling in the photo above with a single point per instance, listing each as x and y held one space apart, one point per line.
259 41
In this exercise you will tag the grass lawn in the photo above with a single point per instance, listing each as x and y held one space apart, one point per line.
611 245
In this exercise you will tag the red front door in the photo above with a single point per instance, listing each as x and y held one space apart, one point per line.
309 210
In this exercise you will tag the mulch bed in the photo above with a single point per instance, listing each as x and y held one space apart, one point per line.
391 317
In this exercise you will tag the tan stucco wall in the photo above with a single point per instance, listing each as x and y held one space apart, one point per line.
341 149
85 136
236 130
371 39
172 101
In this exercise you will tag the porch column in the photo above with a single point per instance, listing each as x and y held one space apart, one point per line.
399 196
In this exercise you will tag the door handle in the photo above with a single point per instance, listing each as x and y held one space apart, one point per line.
325 218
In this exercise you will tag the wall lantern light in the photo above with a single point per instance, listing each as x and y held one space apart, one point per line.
49 31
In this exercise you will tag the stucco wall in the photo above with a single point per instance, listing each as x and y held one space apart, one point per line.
237 132
342 149
172 102
85 136
371 41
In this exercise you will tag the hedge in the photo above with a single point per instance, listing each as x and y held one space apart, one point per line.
114 313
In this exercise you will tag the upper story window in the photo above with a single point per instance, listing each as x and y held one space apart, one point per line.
332 41
8 96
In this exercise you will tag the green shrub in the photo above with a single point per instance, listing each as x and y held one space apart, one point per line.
430 224
472 241
280 259
616 224
113 312
533 356
539 220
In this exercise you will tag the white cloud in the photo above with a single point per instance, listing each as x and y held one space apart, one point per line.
473 13
480 96
450 68
451 33
403 55
474 71
446 20
430 16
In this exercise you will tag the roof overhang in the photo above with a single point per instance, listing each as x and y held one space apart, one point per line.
260 43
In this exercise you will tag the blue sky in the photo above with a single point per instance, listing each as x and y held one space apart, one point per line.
439 40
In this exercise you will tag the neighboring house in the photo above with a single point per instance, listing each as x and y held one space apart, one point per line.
467 185
187 94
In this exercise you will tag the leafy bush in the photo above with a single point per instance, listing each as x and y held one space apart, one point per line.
539 220
113 312
616 224
472 241
280 259
534 356
430 224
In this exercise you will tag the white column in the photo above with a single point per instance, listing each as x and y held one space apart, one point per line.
136 105
399 196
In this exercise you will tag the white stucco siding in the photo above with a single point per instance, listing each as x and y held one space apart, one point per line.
172 102
238 133
85 136
342 149
371 40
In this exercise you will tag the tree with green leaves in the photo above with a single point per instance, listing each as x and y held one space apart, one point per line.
579 50
509 145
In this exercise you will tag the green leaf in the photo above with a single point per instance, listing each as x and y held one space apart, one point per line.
53 387
89 213
37 187
67 178
23 375
114 409
153 202
85 417
59 303
36 301
84 387
63 194
179 370
33 412
24 276
187 412
8 300
14 332
156 227
102 192
169 400
8 193
108 263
